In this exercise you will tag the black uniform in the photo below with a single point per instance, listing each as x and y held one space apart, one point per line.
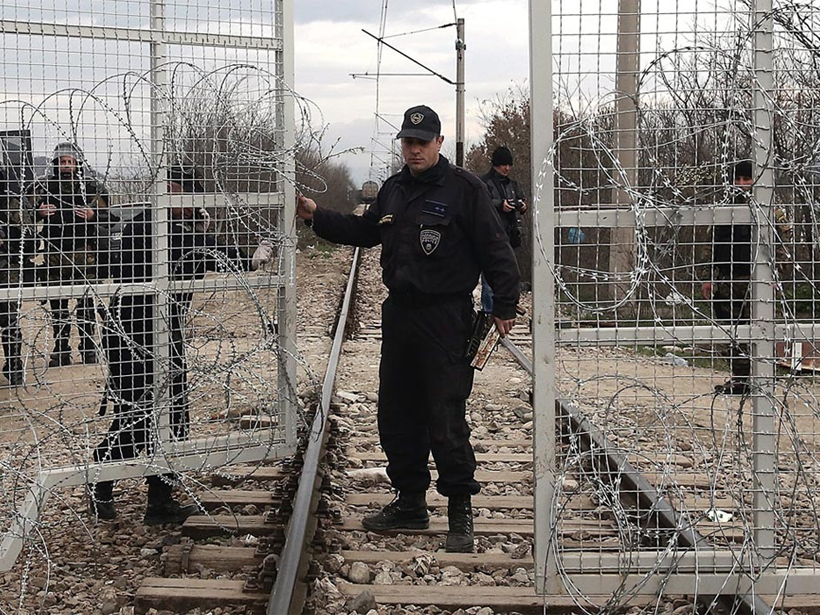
129 343
504 188
72 251
16 250
731 270
438 232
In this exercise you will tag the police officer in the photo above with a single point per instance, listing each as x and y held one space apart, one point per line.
74 209
16 250
508 199
730 274
438 231
129 344
728 284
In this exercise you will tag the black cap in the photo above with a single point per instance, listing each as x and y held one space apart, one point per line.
501 156
743 169
420 122
185 178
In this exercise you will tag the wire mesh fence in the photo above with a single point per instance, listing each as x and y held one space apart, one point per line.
146 249
685 161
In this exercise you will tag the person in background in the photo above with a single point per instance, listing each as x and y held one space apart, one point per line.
728 282
73 209
508 200
128 338
17 232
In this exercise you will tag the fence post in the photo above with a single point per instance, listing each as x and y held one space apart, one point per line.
763 308
543 292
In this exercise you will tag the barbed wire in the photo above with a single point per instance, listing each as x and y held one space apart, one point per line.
695 123
224 126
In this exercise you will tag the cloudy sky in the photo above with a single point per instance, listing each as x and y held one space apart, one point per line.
330 45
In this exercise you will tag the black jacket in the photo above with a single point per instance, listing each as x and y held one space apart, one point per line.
504 188
438 232
192 253
732 247
65 229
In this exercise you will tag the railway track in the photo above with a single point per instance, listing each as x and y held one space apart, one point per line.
287 538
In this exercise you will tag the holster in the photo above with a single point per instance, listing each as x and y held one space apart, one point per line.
479 341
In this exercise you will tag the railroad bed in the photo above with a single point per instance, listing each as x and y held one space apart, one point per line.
230 557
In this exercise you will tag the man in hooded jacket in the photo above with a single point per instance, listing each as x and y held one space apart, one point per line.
73 209
128 338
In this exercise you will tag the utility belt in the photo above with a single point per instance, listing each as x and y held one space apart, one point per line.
417 299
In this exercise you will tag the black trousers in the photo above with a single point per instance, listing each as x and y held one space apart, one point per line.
732 307
424 385
10 335
129 346
61 322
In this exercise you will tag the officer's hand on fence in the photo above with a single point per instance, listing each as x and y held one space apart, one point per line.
507 207
503 326
706 290
85 213
47 209
262 255
305 207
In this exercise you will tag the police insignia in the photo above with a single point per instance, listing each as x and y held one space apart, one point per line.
429 241
416 118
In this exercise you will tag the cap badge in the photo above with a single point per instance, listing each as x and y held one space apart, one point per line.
417 118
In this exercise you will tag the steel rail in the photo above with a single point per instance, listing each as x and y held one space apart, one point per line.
613 461
291 560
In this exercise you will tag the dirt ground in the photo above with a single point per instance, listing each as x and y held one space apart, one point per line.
654 409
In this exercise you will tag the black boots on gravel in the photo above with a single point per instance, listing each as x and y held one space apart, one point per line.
101 501
460 518
408 511
162 507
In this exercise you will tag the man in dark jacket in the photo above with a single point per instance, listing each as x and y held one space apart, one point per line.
508 199
128 338
16 249
73 208
438 231
731 270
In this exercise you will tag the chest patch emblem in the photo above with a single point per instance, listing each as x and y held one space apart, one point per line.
429 240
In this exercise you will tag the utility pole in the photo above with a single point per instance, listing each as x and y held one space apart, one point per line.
460 122
622 239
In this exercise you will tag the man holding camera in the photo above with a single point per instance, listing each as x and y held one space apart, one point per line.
508 199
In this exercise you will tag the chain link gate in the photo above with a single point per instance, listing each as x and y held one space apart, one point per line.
178 233
674 300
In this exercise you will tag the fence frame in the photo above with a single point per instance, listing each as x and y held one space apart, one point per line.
201 453
601 573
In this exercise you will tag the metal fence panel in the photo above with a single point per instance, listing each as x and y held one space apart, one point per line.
146 245
685 161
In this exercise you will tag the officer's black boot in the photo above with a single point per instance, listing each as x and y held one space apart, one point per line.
162 508
61 354
460 517
408 511
13 365
101 501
